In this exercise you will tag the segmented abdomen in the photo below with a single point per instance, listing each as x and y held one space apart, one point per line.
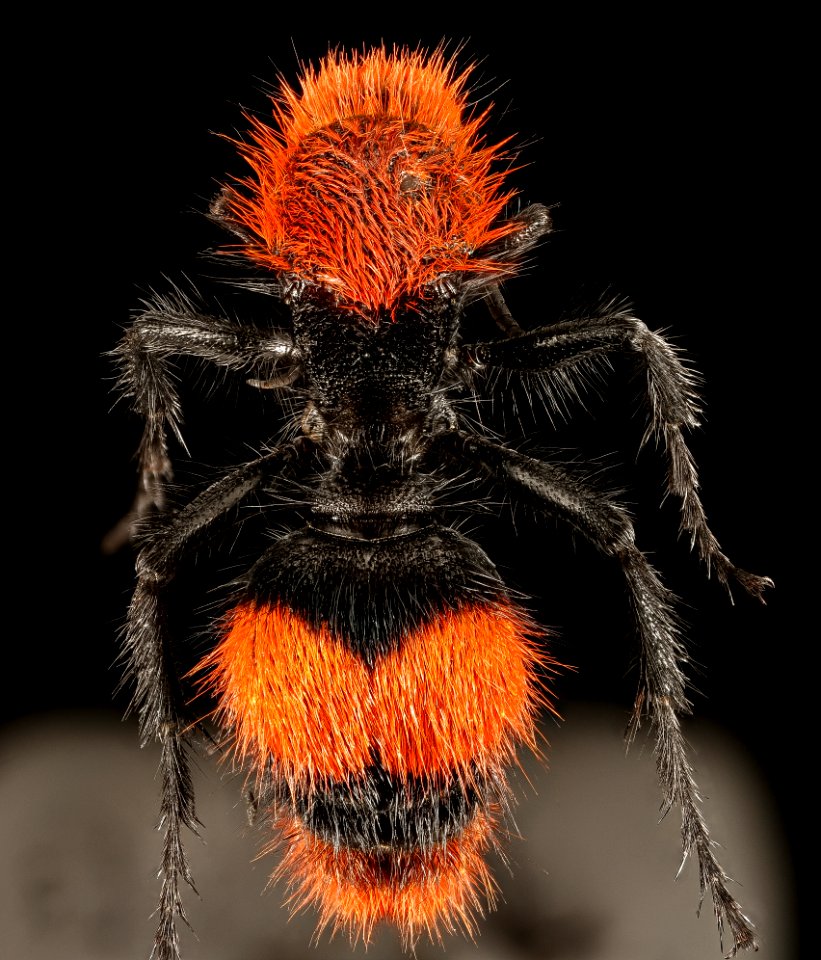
384 762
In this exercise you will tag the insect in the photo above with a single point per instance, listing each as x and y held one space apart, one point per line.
371 670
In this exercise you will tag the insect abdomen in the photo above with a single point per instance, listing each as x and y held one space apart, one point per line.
384 723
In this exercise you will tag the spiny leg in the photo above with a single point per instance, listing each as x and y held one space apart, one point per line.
534 223
150 664
501 314
171 326
661 696
564 353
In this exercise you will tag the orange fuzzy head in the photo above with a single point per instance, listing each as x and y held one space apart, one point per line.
374 181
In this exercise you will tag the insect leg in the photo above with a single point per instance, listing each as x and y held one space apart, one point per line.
662 696
563 354
150 664
533 223
501 314
171 326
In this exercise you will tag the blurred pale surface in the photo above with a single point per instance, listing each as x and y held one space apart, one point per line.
593 878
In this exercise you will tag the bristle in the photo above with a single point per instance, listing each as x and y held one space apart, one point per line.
455 698
388 778
420 892
373 182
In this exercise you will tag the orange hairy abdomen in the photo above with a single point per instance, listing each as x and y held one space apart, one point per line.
454 698
445 886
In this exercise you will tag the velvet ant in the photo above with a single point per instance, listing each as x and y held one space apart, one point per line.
372 671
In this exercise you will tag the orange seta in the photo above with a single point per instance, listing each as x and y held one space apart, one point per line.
454 698
440 889
373 182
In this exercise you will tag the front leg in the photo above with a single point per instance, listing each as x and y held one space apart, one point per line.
170 326
566 353
662 695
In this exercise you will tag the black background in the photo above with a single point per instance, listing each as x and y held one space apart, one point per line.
667 149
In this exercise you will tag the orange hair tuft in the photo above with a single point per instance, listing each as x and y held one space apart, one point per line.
455 698
421 891
373 182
